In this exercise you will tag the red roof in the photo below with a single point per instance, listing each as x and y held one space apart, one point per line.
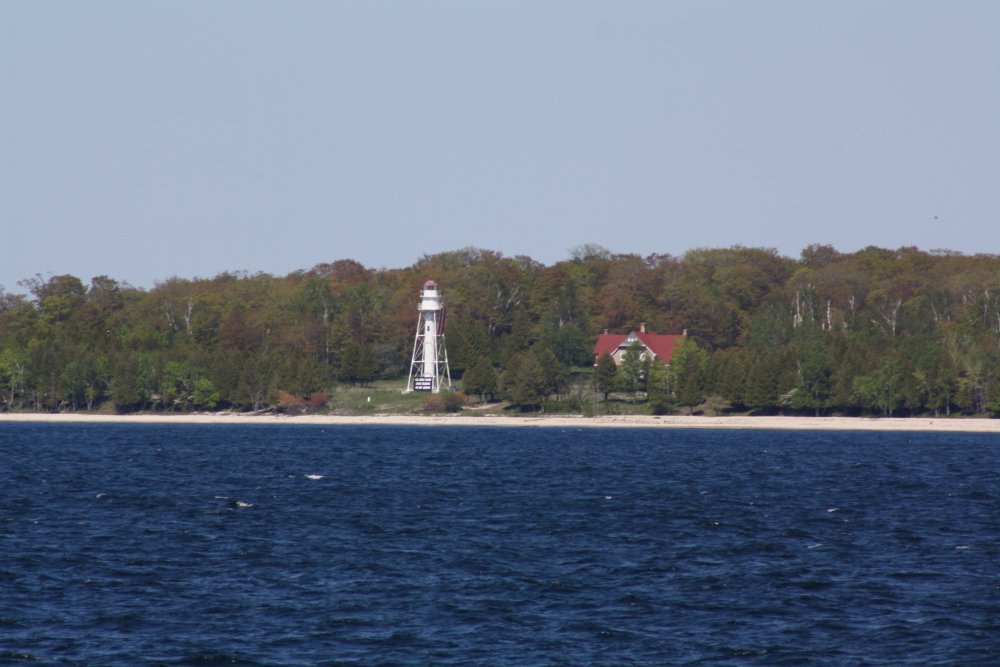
662 345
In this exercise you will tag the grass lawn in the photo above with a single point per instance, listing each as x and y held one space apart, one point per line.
387 397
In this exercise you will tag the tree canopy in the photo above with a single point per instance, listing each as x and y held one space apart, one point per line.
878 331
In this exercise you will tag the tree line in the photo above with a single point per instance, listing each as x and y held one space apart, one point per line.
874 332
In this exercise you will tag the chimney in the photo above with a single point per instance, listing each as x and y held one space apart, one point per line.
605 332
685 334
642 327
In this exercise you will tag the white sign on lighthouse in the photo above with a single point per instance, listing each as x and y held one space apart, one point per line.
429 365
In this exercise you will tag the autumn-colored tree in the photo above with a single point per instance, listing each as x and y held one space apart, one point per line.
811 334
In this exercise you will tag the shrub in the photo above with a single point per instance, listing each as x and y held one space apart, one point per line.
453 401
317 401
288 403
446 402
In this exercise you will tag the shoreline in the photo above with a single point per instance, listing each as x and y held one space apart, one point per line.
904 424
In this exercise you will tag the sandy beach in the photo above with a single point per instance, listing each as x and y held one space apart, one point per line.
561 421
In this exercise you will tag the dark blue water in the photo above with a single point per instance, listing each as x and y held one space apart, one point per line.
178 545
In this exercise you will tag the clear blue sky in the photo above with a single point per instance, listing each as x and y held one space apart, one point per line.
149 139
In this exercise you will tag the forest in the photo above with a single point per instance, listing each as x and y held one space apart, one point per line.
875 332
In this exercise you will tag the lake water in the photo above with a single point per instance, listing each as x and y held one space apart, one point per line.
308 545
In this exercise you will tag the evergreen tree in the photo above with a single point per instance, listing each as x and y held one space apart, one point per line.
993 395
660 394
852 358
726 375
812 391
809 335
554 373
124 385
569 343
367 366
481 379
358 365
688 366
882 389
631 376
605 374
524 381
468 341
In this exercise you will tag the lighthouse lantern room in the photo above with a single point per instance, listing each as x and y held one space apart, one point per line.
429 364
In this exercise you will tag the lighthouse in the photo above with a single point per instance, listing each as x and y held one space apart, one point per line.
429 365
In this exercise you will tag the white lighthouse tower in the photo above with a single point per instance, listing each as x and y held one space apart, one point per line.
429 365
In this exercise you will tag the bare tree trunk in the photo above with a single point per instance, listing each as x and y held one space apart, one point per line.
187 317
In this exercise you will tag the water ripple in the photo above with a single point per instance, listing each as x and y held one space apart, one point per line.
177 545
